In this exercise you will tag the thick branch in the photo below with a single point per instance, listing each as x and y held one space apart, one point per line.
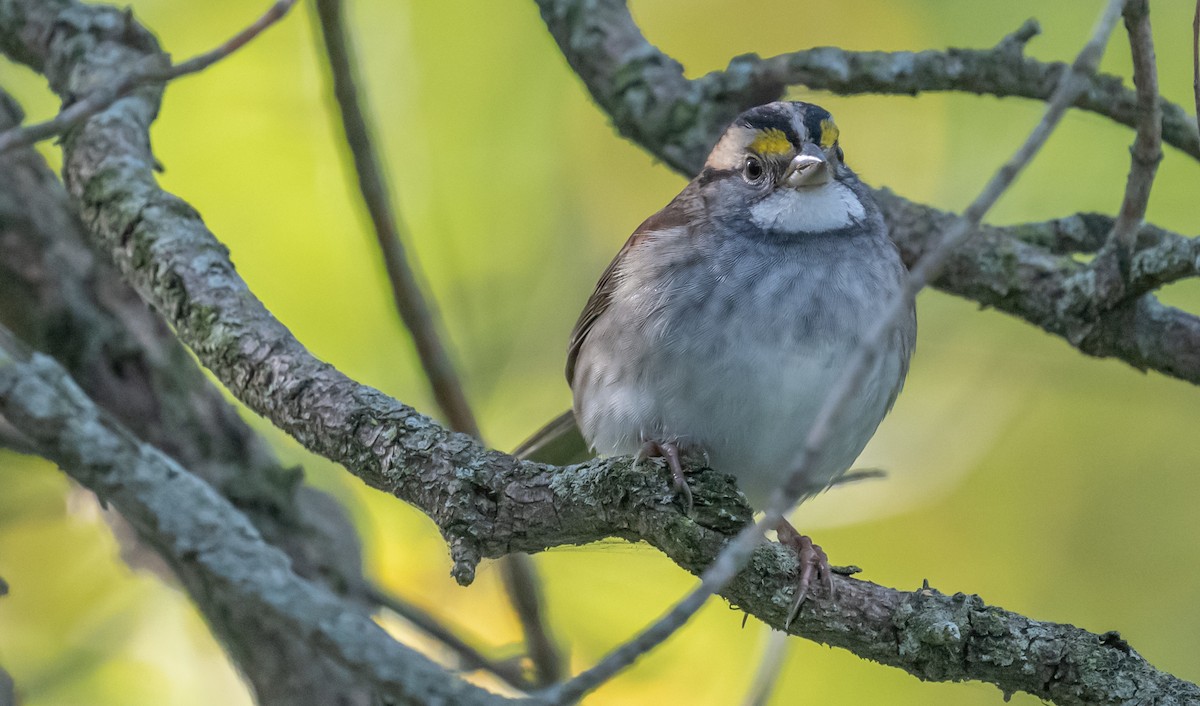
487 503
202 536
846 384
59 297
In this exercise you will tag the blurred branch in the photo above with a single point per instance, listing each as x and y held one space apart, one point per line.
197 531
13 440
733 556
525 591
774 654
677 120
1196 61
487 503
8 690
469 658
419 315
60 298
153 71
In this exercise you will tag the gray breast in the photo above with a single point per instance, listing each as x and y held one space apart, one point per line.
731 345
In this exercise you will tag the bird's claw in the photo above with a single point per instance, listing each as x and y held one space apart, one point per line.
813 563
669 451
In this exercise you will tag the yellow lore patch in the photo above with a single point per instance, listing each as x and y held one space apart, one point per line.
771 141
829 133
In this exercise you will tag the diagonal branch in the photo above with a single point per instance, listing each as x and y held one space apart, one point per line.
487 503
418 313
1196 61
8 690
211 540
420 317
468 657
59 297
151 72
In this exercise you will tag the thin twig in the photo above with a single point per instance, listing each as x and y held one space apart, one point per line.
105 96
737 552
525 593
469 658
416 312
1196 61
775 649
420 315
1146 151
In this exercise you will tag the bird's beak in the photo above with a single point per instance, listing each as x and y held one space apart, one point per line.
809 168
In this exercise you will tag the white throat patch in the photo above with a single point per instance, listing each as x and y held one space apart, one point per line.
827 207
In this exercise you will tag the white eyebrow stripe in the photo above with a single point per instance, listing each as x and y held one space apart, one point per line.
798 125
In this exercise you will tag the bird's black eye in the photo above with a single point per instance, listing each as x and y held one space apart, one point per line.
753 169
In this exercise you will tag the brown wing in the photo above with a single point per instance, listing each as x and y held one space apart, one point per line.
673 216
559 442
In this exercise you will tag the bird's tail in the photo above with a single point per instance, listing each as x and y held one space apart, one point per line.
558 443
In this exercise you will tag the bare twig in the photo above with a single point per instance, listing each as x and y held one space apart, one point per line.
469 658
525 592
734 556
105 96
775 649
1146 151
419 313
1196 61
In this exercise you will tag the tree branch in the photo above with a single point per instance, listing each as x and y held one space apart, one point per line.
61 299
487 503
1196 61
418 314
199 533
1147 146
677 120
152 72
469 658
651 102
420 317
8 690
850 379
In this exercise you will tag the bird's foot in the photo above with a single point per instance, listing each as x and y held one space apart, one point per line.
813 562
669 450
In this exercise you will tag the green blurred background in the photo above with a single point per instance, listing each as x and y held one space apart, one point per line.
1052 484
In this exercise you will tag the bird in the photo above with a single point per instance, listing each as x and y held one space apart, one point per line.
723 323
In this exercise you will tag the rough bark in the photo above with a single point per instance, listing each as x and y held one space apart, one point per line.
487 503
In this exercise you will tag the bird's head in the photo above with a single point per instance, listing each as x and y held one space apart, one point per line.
780 167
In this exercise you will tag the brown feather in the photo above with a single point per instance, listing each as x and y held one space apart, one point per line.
674 215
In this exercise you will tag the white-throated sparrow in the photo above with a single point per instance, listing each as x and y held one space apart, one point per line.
726 318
